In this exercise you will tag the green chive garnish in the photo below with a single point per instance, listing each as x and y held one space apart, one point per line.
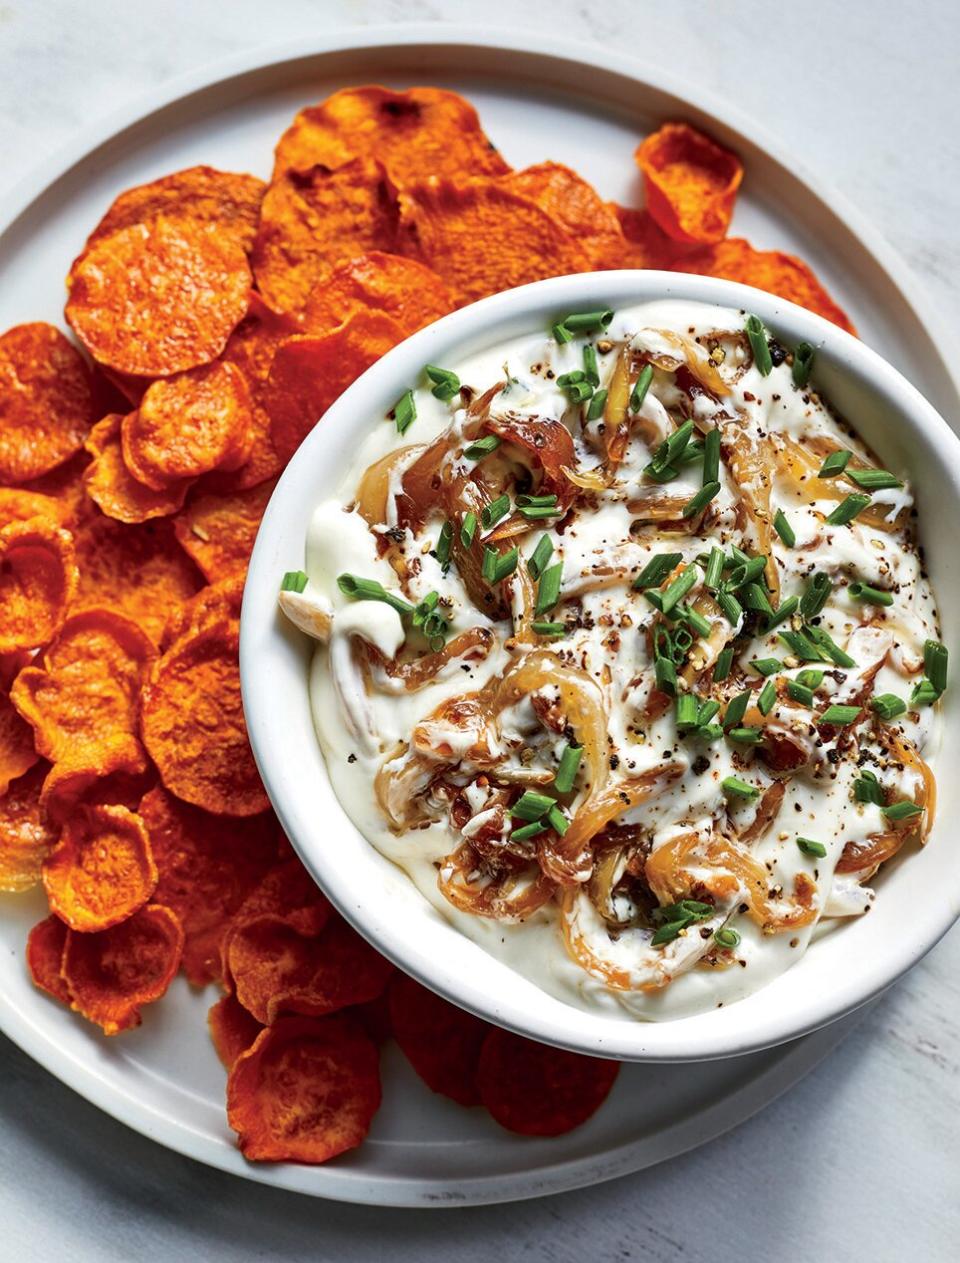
482 447
531 805
867 789
360 589
679 588
935 658
766 666
557 820
888 705
723 664
663 466
640 388
707 711
711 457
812 848
767 698
740 789
847 510
549 629
548 589
873 479
499 566
405 412
445 539
666 676
802 364
491 513
827 645
727 937
686 711
810 678
759 345
871 596
693 618
745 572
732 609
597 404
468 528
816 595
802 647
537 562
840 716
903 810
567 771
528 831
587 321
924 694
535 502
293 581
446 383
700 501
784 529
656 570
539 512
745 736
754 597
835 463
786 609
800 693
736 709
590 367
714 570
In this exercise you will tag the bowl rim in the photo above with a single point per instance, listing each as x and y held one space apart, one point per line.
542 302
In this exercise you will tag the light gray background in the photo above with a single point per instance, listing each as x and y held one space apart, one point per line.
862 1160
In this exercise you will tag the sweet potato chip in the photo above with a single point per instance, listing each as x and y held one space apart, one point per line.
229 200
82 702
119 780
482 238
307 1090
112 974
218 531
537 1090
189 425
64 485
576 206
421 130
138 570
403 289
289 894
313 220
45 944
26 838
17 753
232 1029
211 604
17 505
114 489
38 581
772 270
690 182
646 245
193 726
101 871
309 373
208 866
440 1041
276 970
46 401
375 1016
158 298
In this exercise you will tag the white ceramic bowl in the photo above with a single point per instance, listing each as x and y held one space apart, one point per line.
918 898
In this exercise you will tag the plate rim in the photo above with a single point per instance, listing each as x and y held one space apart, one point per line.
793 1060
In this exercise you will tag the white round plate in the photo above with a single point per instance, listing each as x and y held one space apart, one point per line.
587 110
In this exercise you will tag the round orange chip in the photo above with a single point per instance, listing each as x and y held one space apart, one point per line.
218 531
232 1029
315 219
64 485
420 130
112 974
45 944
307 1090
226 199
288 893
193 727
158 298
208 866
482 237
690 182
403 289
38 581
82 702
577 206
17 752
121 778
26 838
646 245
46 401
309 373
771 270
18 505
210 605
101 871
114 489
139 570
188 425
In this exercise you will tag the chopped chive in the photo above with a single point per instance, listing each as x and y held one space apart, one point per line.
655 597
293 581
597 404
661 475
535 502
924 694
746 572
810 678
557 820
696 504
759 345
802 647
835 463
711 457
714 570
656 570
679 588
491 513
537 562
405 412
482 447
549 629
816 595
727 937
693 618
935 658
786 609
587 321
867 789
528 831
359 589
802 364
707 711
800 693
766 666
767 698
736 709
504 565
737 556
444 540
531 805
560 333
590 367
903 810
784 529
745 736
710 732
672 448
829 646
686 711
809 847
873 479
571 379
740 789
888 705
567 771
446 383
577 392
721 668
847 510
425 607
732 609
840 716
694 451
640 388
871 596
667 932
490 558
754 597
468 528
540 512
548 589
682 640
666 676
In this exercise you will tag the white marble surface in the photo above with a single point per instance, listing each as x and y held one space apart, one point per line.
862 1160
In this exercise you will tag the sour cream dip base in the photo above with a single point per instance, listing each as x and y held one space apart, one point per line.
917 899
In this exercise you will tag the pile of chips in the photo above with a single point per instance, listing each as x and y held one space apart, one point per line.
218 317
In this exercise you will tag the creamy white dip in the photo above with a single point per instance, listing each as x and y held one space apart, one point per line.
366 719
